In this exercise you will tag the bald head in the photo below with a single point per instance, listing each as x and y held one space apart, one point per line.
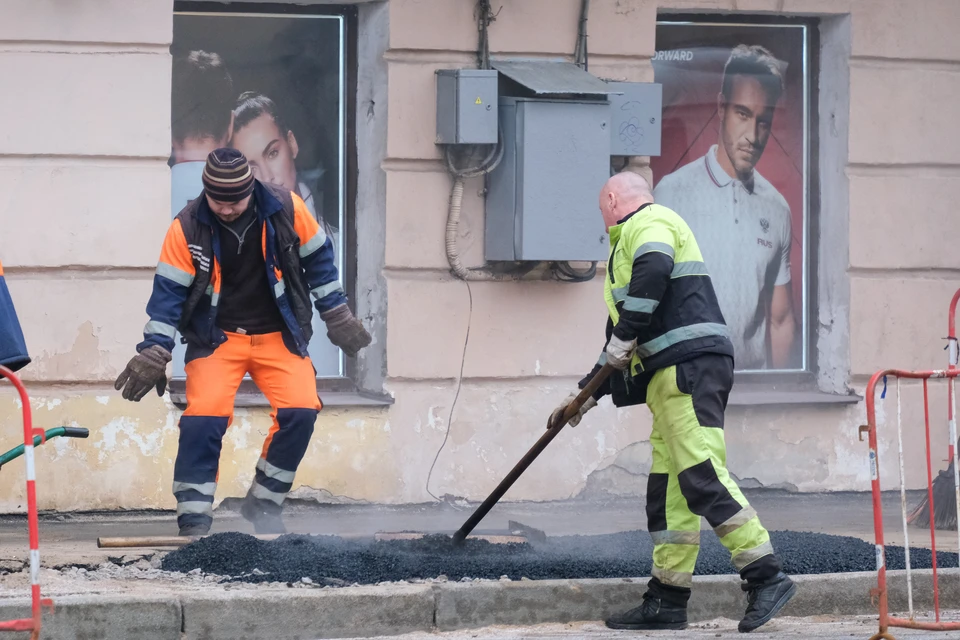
623 194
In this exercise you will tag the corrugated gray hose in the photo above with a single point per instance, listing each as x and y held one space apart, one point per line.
453 215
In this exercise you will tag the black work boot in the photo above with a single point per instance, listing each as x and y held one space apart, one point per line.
194 529
766 599
664 608
263 514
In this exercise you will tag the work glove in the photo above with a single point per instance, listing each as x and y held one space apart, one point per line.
620 352
146 370
557 414
344 330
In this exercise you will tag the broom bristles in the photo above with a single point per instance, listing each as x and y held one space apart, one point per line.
945 504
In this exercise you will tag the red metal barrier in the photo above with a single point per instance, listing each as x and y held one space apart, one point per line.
886 620
951 365
33 623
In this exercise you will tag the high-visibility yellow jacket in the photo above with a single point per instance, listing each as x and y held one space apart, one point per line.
659 293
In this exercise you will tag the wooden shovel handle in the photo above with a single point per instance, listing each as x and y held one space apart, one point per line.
585 394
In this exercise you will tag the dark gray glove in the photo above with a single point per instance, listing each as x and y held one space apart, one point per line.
344 330
146 370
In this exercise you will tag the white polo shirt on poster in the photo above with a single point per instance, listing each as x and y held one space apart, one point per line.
744 235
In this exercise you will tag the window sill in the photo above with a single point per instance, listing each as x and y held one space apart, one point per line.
759 394
743 394
246 400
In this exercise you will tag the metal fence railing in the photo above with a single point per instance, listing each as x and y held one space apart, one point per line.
32 623
881 592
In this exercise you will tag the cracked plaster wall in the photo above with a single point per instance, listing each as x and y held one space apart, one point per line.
379 456
80 271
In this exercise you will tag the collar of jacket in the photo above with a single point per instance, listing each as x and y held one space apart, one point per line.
267 205
615 230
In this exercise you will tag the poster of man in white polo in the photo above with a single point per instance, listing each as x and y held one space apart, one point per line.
734 167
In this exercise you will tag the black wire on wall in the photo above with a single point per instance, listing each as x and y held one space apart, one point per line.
563 270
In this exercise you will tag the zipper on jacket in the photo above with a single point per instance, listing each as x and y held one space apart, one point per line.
613 251
240 236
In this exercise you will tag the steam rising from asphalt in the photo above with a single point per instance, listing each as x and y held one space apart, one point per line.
329 560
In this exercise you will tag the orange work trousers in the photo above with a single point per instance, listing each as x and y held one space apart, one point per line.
290 385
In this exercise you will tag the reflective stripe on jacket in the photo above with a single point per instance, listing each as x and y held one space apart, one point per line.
186 287
659 293
13 348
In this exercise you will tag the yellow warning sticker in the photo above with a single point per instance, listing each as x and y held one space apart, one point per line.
479 101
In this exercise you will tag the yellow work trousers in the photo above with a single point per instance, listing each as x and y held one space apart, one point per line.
689 479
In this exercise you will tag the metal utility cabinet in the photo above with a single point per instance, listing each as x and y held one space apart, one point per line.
543 197
635 118
542 202
466 106
558 126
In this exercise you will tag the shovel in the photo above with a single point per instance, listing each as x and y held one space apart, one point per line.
552 430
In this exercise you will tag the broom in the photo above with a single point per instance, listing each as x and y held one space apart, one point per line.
944 488
944 504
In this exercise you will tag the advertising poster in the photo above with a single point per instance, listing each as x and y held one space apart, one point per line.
271 86
734 166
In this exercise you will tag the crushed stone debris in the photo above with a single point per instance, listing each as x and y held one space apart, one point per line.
329 561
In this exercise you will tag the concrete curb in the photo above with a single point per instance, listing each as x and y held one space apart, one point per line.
105 617
308 615
465 606
396 609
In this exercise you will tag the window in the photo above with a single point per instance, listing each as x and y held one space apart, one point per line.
738 164
277 83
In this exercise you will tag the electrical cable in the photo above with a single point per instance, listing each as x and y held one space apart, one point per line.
485 16
580 54
456 396
491 162
562 270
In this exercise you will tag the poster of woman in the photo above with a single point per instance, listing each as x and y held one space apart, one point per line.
270 86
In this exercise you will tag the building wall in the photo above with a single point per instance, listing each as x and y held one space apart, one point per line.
83 169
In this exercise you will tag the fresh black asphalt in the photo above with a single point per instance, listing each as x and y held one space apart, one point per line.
329 560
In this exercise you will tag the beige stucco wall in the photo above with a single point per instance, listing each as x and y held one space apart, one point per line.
86 201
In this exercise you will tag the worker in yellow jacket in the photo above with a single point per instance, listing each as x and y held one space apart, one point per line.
667 338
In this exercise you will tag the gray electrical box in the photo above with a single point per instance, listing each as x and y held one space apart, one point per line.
542 199
467 106
635 118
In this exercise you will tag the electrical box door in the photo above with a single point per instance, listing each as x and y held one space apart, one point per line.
635 123
467 106
543 198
